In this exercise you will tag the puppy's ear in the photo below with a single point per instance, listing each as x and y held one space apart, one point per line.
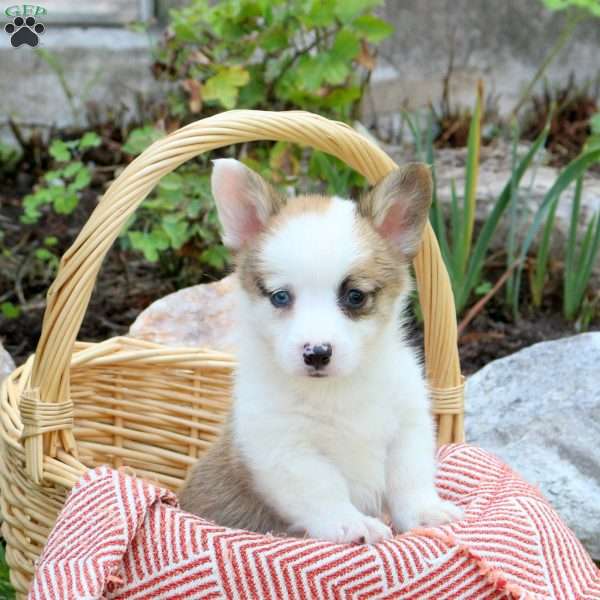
398 206
245 201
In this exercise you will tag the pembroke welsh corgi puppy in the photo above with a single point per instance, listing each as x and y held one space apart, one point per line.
330 427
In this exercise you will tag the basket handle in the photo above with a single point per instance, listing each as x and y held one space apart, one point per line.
69 295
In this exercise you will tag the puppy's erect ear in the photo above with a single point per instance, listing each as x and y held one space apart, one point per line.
398 206
245 201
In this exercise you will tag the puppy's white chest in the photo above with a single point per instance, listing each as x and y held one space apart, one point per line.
357 443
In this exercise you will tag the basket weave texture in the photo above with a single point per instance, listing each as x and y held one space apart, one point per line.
150 408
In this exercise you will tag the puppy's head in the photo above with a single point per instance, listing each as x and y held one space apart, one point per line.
322 278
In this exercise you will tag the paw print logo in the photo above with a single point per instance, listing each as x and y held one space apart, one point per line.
24 31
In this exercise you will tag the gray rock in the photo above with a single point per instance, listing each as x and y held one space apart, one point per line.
539 411
197 316
7 365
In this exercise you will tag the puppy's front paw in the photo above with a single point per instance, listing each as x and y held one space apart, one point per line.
428 513
348 526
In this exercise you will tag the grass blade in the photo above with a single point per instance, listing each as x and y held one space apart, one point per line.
569 272
541 261
511 242
589 252
436 216
415 129
471 178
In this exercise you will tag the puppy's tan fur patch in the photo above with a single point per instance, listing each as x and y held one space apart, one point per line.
383 275
219 488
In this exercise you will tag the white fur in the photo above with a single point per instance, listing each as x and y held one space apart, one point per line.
331 454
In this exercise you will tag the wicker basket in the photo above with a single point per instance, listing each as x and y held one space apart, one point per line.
150 408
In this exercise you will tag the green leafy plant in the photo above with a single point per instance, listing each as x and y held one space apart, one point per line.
61 187
179 217
259 54
9 310
270 54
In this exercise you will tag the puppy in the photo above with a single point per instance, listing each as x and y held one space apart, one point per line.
330 426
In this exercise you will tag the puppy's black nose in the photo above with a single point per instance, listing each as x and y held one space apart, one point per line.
317 356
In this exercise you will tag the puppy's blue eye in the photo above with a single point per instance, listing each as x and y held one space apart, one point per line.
281 298
355 298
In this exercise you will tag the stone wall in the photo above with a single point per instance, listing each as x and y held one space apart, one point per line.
503 42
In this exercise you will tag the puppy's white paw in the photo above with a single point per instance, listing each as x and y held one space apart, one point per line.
428 513
348 526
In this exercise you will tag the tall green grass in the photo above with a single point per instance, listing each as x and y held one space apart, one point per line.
465 253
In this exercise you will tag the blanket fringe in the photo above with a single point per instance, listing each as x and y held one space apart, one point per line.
493 575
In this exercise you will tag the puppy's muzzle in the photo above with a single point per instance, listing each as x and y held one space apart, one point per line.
317 356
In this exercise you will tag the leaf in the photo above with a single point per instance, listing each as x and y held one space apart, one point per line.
335 72
44 254
224 86
50 240
149 243
59 151
275 38
82 180
321 14
9 310
171 183
216 256
193 208
31 202
65 202
346 10
54 177
345 47
89 140
591 5
177 230
342 98
372 28
72 169
139 139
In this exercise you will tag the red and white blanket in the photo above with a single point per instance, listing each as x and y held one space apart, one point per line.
121 537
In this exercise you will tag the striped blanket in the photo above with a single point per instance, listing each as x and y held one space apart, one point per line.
121 537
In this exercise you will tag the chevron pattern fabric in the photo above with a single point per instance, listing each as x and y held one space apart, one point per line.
121 537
